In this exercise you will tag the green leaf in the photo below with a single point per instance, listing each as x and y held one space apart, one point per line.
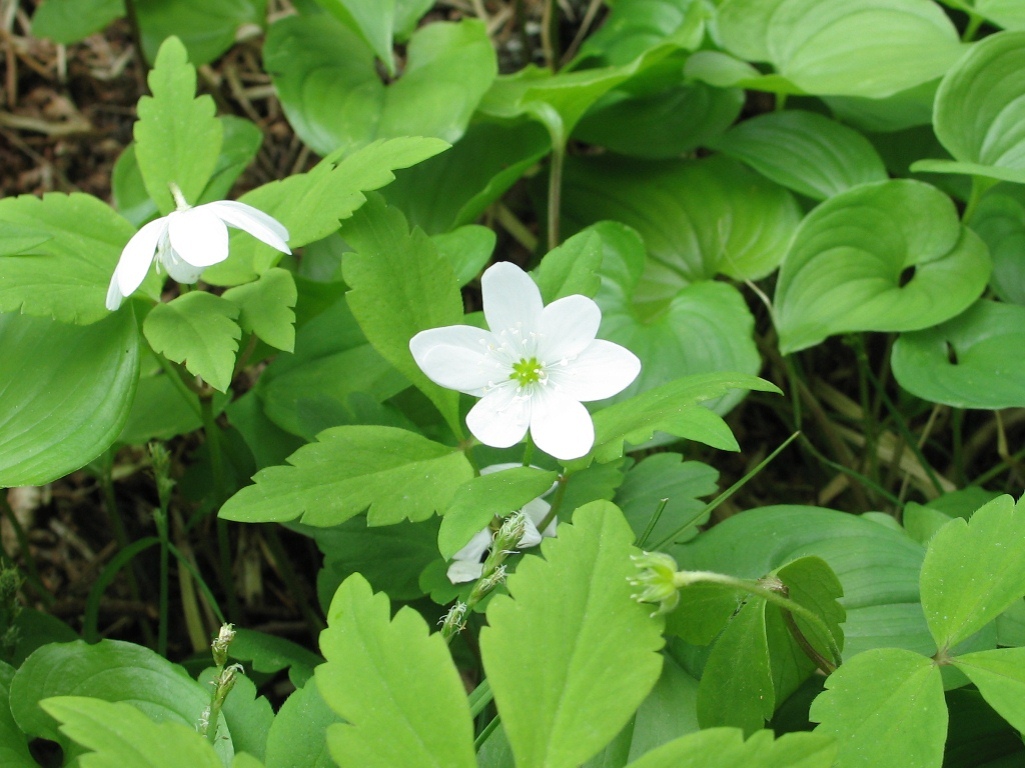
467 249
999 220
571 268
68 21
118 734
311 205
350 469
988 84
69 390
675 408
680 483
698 218
207 27
701 614
855 48
1000 677
198 329
973 571
846 263
177 137
265 307
966 362
636 26
113 671
395 685
399 287
1008 14
297 737
481 498
720 70
71 247
372 20
705 327
726 748
885 707
270 654
247 715
560 705
13 743
805 152
333 97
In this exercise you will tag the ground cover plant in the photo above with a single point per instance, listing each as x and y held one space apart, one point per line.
512 383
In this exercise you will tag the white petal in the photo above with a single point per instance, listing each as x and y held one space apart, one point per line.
252 220
537 510
531 536
567 327
464 570
512 300
179 270
114 297
456 357
560 426
198 236
477 546
501 418
491 469
136 259
602 370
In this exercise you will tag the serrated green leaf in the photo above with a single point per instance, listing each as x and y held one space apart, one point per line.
804 151
311 205
478 500
265 307
395 685
999 220
571 267
198 329
675 408
973 571
698 218
69 390
298 735
72 250
846 262
269 653
118 734
869 48
966 362
207 27
324 74
68 21
397 474
177 137
1000 677
680 483
560 705
726 748
885 707
399 287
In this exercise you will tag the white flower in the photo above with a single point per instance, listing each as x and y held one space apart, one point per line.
467 563
187 241
532 370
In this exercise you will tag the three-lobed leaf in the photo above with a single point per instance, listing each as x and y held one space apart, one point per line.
726 748
265 307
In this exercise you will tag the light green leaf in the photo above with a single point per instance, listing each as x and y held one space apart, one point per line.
119 735
397 474
885 707
698 218
1000 677
467 249
161 411
71 246
720 70
69 390
372 20
680 483
480 499
298 735
571 268
270 653
265 307
870 48
846 263
177 137
1009 14
675 408
325 76
966 362
68 21
592 650
636 26
311 205
901 111
804 151
701 614
13 743
726 748
999 220
987 84
207 27
973 571
395 685
399 287
199 330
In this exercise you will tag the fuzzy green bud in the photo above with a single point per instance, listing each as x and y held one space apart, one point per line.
656 580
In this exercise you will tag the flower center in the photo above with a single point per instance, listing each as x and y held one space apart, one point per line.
527 372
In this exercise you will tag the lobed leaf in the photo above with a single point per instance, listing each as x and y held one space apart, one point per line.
265 307
726 748
999 675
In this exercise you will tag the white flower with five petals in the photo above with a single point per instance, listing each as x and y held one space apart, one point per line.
532 369
187 241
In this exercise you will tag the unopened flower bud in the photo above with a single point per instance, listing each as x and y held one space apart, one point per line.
656 578
219 646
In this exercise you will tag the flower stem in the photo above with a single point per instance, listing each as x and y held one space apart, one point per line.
528 451
555 192
560 494
213 443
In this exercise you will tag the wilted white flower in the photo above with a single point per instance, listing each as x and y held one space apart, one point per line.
532 369
187 241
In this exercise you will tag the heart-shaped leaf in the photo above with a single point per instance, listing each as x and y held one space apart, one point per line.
68 21
847 261
207 27
999 219
968 362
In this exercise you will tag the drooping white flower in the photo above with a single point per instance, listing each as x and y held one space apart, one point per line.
187 241
532 369
467 563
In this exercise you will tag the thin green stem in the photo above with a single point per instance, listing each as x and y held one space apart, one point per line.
972 27
26 555
653 521
485 733
172 373
560 494
979 186
528 451
293 584
852 474
213 443
868 424
200 581
558 159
